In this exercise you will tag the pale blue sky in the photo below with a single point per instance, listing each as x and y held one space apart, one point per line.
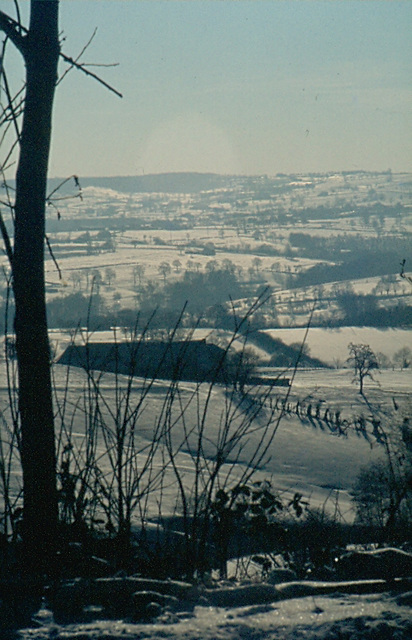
230 86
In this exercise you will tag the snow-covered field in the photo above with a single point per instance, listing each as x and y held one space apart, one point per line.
331 345
306 455
151 255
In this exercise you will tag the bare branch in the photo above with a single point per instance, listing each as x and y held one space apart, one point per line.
14 115
403 274
13 30
3 53
18 111
5 166
86 46
53 257
100 64
6 240
18 17
51 204
17 100
89 73
59 186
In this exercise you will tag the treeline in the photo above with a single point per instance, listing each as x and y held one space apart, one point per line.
322 212
335 247
196 291
284 216
160 304
365 264
201 294
364 311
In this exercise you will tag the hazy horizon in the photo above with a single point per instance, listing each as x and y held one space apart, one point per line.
236 175
234 87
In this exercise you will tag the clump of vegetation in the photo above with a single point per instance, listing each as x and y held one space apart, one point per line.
245 517
382 493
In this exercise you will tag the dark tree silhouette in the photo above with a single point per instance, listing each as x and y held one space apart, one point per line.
39 46
364 361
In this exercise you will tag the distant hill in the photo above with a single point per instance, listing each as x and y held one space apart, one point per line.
153 183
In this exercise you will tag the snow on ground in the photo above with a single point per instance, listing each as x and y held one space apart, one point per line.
331 345
339 617
167 246
305 455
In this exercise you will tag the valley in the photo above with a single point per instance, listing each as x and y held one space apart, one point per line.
196 251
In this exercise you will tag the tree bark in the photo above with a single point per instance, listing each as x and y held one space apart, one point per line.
38 457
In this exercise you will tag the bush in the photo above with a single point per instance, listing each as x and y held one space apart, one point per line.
383 490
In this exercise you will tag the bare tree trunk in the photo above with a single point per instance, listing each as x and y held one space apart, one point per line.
40 515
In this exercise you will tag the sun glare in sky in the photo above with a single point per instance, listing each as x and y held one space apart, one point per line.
232 86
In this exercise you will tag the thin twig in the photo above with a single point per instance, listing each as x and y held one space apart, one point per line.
18 17
89 73
53 257
5 166
403 274
100 64
88 43
59 186
9 26
6 240
13 114
13 30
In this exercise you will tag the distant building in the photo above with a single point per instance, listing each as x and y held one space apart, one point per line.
187 360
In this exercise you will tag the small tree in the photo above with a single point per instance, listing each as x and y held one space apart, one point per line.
110 275
363 361
383 361
97 280
257 264
76 279
242 367
403 358
164 269
177 265
138 273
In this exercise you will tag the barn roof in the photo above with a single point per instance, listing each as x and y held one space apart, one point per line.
177 360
